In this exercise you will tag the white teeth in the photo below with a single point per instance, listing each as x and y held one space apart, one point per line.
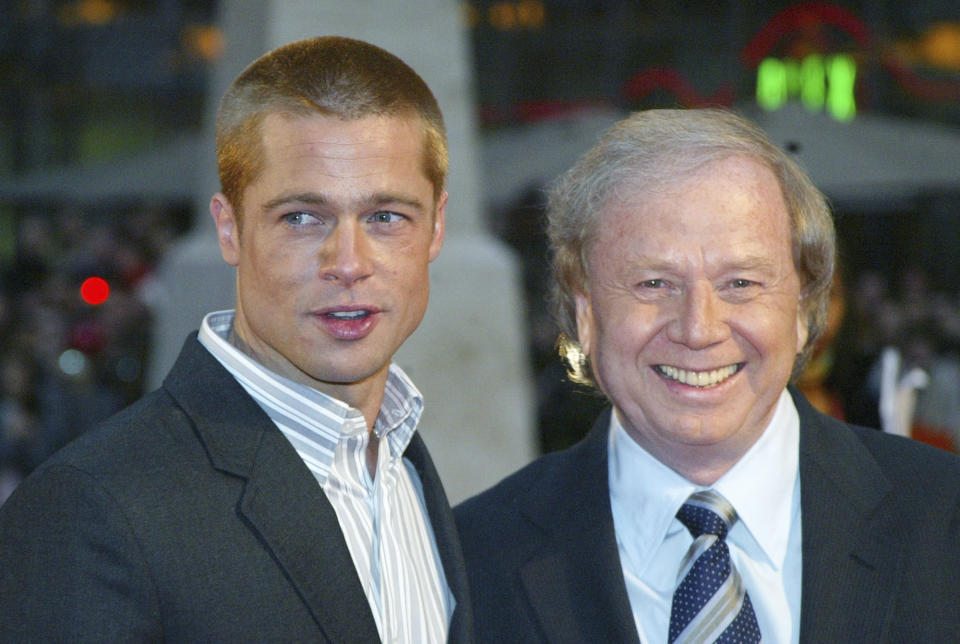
698 378
348 315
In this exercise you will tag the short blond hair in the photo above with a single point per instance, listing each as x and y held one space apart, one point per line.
659 146
330 76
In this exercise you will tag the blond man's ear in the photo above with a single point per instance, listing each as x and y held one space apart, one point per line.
228 232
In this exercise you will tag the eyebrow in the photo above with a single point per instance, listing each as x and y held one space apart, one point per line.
319 199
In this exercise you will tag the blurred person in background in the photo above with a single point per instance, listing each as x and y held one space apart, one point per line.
85 361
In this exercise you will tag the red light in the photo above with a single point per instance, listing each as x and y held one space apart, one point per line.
94 291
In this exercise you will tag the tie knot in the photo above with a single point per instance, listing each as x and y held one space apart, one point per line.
706 512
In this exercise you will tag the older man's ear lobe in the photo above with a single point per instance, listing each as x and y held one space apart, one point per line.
803 331
803 327
228 233
584 313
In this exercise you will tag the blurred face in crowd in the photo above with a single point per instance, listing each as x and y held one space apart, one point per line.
339 229
691 313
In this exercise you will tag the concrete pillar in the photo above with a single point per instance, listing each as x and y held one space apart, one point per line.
468 356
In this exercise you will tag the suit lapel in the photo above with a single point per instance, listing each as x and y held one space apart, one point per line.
851 555
575 584
448 542
280 502
293 517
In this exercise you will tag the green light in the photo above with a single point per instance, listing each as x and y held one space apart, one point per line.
771 84
841 101
821 83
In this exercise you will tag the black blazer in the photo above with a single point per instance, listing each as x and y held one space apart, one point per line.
189 517
881 543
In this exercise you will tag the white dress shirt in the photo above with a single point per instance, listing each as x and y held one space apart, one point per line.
765 544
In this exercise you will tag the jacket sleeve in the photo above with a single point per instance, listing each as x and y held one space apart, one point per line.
71 568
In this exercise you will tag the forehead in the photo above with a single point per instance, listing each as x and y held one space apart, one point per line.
284 131
724 205
328 159
343 153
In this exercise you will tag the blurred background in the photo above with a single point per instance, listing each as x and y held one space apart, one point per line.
106 164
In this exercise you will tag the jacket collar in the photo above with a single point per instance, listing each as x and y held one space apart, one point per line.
851 551
580 554
851 556
280 501
283 506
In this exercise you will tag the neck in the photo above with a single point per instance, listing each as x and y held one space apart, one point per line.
702 465
366 396
704 475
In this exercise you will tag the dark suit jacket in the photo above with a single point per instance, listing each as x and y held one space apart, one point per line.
881 543
189 517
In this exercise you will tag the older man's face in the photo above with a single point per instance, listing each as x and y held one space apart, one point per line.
692 317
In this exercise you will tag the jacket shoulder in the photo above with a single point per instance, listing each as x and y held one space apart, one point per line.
910 466
538 497
915 469
549 474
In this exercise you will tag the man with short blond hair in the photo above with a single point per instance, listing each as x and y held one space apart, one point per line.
275 488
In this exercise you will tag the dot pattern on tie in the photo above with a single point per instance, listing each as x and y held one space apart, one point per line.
710 603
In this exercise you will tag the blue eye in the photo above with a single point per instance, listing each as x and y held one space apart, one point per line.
385 217
299 218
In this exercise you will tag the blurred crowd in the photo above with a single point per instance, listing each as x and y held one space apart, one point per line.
65 363
891 358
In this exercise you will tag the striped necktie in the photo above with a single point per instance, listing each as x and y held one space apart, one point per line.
710 603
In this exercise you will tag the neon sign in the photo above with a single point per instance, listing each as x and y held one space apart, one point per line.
821 83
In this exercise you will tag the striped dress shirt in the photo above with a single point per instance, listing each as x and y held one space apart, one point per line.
383 518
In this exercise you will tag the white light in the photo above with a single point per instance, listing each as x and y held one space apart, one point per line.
72 362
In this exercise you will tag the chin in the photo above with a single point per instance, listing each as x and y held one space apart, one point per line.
699 432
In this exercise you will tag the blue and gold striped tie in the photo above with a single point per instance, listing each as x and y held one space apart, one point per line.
710 603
